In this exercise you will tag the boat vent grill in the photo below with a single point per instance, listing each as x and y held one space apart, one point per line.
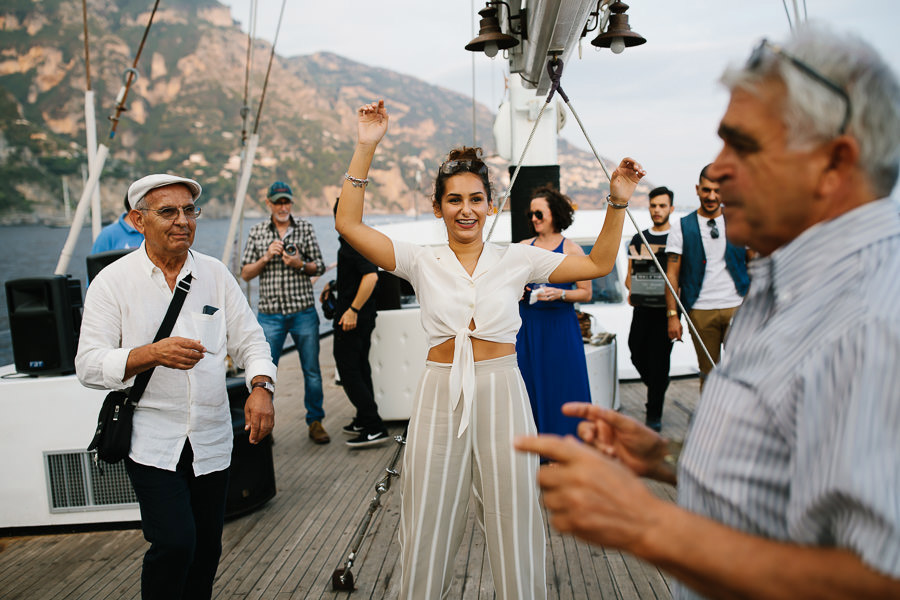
75 482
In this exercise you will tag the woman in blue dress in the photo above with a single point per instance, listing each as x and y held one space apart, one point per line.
549 345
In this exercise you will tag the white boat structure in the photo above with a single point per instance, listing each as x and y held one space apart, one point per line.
398 342
50 480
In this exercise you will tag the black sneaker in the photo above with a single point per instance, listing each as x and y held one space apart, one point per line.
352 429
370 437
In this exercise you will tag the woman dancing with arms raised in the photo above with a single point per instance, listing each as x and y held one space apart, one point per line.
471 401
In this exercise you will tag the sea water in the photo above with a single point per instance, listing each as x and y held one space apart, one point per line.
33 251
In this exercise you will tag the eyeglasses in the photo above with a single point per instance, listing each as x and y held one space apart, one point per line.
170 213
713 230
756 59
451 167
281 201
536 213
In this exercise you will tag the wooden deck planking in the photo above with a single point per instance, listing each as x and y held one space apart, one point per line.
290 547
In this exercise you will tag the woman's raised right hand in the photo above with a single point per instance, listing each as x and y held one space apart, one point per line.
372 122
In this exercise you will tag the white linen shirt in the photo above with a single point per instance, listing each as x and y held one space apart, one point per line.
451 298
123 309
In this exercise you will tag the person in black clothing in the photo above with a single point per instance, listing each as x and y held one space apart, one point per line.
354 320
648 339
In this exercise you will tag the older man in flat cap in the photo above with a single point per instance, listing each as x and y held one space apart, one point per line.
182 436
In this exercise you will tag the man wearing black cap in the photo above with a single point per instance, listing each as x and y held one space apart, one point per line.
284 253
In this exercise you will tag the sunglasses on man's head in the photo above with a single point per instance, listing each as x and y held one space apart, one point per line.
713 230
538 214
756 59
452 167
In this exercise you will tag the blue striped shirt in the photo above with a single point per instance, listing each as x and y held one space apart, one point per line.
797 434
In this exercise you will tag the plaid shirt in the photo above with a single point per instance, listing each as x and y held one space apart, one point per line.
282 289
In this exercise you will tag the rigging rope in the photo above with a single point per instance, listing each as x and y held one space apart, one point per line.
130 75
245 108
554 68
262 97
472 23
788 15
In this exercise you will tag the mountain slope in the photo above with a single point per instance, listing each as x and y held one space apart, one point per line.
184 112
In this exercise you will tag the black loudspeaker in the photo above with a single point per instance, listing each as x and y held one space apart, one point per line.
44 321
387 292
96 262
252 480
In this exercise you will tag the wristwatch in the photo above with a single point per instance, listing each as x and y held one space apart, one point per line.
563 297
671 313
266 385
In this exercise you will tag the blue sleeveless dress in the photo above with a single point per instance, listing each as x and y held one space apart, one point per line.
551 359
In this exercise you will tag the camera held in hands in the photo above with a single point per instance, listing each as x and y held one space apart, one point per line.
290 249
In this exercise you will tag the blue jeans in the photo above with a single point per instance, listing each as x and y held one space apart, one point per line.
304 329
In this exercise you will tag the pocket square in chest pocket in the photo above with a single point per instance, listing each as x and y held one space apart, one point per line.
210 330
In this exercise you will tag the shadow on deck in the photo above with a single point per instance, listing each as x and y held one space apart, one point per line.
290 547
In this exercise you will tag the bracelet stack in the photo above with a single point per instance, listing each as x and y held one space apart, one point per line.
613 204
355 181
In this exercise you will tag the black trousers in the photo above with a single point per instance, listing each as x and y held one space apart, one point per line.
351 356
651 351
182 517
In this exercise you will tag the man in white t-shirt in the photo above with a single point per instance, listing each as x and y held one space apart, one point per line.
709 272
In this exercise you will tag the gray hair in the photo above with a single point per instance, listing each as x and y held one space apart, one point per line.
813 113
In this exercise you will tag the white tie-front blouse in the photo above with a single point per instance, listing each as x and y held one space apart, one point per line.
450 299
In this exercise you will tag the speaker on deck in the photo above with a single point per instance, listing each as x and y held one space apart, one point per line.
96 262
44 322
387 292
252 480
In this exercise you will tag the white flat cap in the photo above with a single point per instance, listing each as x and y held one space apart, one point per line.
139 188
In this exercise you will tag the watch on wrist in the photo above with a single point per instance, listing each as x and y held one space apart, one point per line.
354 309
563 297
266 385
671 313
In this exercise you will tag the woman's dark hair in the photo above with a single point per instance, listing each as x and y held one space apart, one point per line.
561 208
461 160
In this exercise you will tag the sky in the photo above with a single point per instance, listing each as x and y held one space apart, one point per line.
659 103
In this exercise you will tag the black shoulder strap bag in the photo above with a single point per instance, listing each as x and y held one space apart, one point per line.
112 439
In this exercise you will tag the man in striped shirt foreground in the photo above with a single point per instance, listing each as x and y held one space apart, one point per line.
789 484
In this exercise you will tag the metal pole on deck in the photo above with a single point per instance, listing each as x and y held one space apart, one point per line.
238 210
90 126
90 123
93 181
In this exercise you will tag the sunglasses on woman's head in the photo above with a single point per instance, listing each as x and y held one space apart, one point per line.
452 167
539 214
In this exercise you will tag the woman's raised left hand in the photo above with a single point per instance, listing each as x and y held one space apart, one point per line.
372 123
624 179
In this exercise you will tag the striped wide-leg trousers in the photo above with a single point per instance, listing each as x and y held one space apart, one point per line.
442 471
